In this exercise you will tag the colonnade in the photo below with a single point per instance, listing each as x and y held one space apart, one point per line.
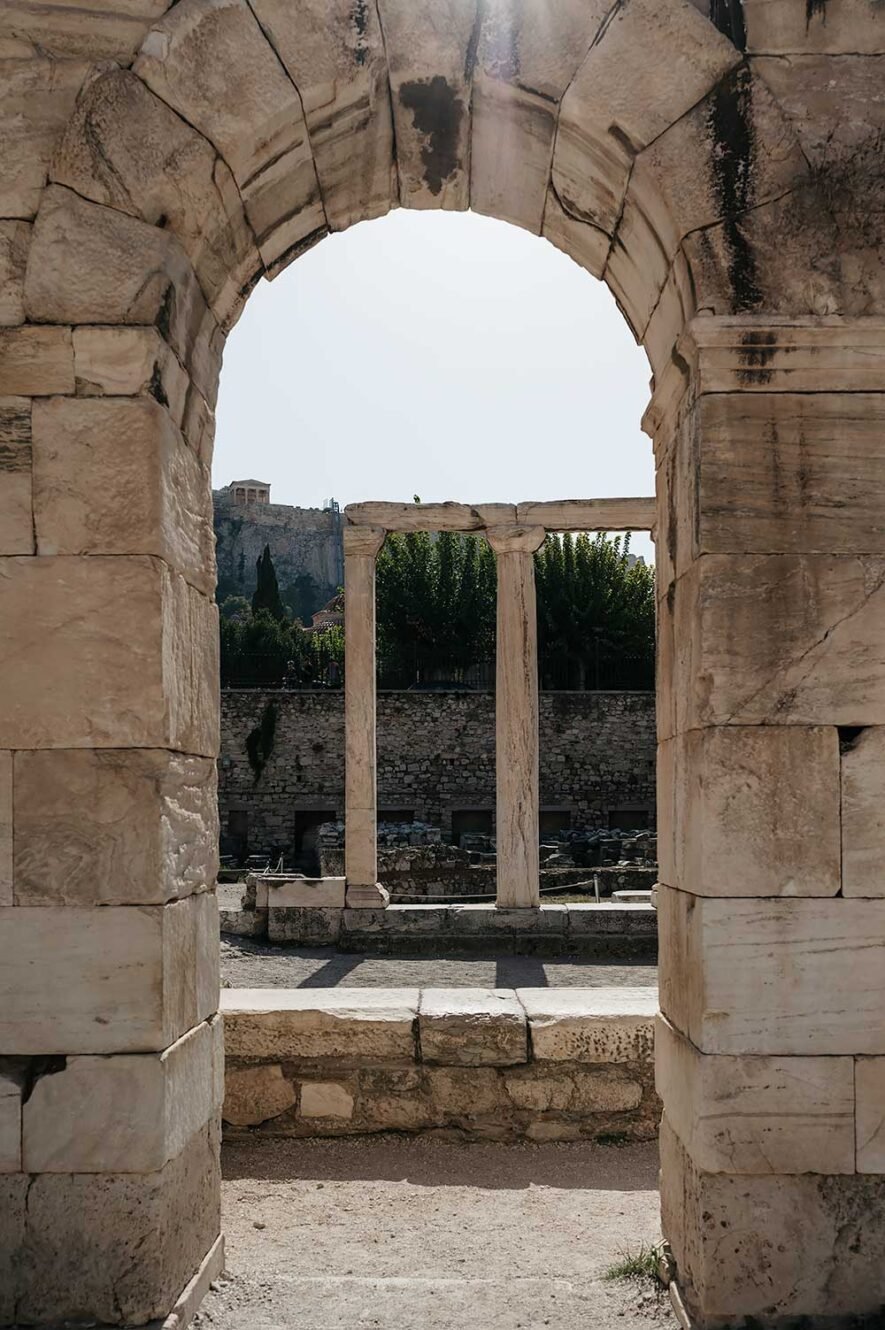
515 532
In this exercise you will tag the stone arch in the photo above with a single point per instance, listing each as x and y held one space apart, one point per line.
694 157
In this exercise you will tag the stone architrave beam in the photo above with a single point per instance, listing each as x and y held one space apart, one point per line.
558 515
516 716
361 545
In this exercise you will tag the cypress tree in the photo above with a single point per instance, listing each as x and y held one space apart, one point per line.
267 591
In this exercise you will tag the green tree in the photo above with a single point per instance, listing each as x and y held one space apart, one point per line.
235 607
267 592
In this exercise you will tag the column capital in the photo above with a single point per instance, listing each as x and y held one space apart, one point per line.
365 540
515 539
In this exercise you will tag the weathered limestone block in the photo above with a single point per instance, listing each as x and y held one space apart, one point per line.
122 979
343 1024
590 1025
606 118
676 306
16 502
779 639
796 1246
692 176
863 814
524 65
198 425
118 1247
334 54
869 1083
800 463
583 242
125 1114
90 264
130 362
464 1093
306 925
785 977
94 496
577 1091
152 682
325 1099
37 96
589 514
113 827
755 1115
13 1194
781 28
6 897
15 237
323 892
12 1080
431 51
36 362
127 149
756 812
472 1027
256 1094
111 32
210 61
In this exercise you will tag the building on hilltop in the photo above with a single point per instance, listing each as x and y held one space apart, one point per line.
249 491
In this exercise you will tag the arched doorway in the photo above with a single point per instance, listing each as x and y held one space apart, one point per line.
653 144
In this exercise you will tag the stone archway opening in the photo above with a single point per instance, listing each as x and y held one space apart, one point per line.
697 162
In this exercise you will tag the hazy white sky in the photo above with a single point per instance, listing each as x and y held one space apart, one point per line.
439 354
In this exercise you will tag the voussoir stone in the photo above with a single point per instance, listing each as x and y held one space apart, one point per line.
37 96
472 1027
590 1025
211 62
127 149
343 1024
113 827
256 1094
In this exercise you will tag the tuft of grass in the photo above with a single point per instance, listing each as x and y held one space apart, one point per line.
641 1264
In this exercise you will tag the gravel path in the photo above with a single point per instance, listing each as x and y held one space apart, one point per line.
394 1234
246 964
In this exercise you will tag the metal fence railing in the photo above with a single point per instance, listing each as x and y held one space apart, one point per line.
421 672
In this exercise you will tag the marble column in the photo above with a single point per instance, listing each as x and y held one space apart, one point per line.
516 716
361 545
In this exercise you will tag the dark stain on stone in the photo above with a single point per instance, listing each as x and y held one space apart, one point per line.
473 44
37 1068
728 16
621 137
166 312
360 19
155 387
756 353
733 159
437 114
815 9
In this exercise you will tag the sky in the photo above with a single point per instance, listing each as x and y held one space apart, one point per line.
440 354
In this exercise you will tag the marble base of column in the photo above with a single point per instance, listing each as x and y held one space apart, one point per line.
366 898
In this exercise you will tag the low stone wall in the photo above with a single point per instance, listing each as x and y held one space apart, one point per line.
538 1064
309 913
417 874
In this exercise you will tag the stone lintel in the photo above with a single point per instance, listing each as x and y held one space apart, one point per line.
631 514
447 516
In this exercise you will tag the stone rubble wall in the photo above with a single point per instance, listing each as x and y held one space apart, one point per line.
478 1064
436 752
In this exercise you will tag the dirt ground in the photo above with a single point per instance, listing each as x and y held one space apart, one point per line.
389 1233
247 964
